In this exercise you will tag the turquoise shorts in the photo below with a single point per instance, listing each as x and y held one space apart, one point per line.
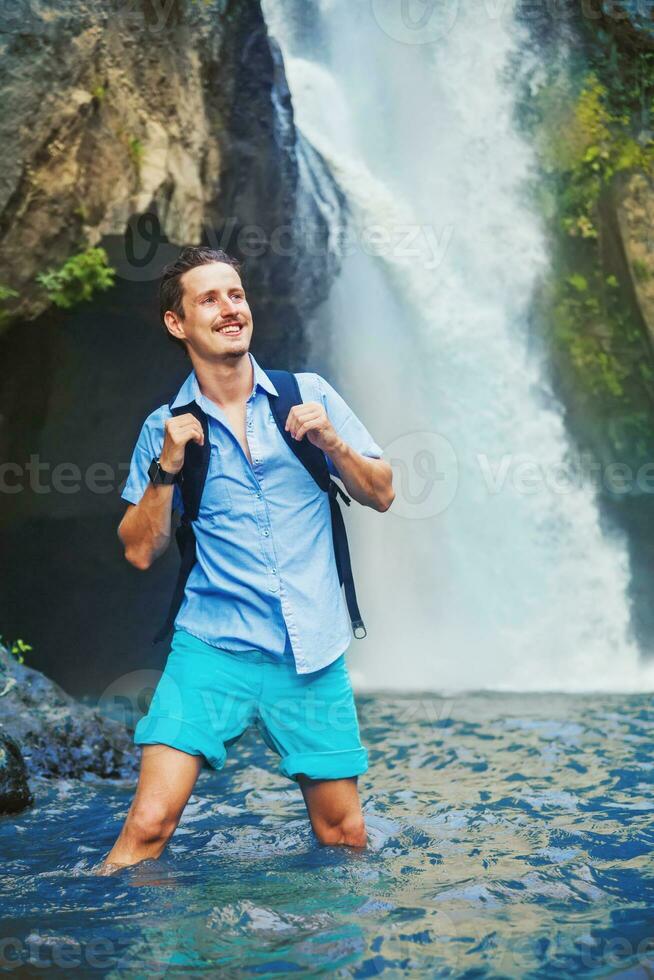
206 698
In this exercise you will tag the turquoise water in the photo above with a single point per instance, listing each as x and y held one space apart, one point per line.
510 835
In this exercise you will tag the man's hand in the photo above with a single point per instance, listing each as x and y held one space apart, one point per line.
145 530
368 481
179 430
310 420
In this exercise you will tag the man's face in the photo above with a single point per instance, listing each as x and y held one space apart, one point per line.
214 304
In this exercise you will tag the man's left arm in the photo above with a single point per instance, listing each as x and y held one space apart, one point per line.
332 426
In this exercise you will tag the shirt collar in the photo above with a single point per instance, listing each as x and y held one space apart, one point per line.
190 390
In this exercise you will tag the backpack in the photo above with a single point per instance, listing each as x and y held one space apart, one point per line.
194 474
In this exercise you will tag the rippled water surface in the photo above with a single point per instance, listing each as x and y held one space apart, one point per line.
510 835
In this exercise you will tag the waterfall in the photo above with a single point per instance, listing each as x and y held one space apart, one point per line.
492 569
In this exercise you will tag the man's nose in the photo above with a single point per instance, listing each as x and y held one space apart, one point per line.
227 307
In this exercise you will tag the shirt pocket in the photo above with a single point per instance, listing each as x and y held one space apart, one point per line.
216 498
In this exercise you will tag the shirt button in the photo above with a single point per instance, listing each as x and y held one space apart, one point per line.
274 571
266 532
258 493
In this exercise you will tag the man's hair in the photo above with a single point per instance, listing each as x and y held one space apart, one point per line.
171 290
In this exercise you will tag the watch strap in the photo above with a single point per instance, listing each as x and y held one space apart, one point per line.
161 477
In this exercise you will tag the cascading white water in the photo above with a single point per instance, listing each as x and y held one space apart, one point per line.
491 569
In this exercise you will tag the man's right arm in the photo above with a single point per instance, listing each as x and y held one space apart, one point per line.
146 529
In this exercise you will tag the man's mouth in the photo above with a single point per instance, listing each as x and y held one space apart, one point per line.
230 329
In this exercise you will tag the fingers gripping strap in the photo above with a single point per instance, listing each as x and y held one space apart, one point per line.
288 395
196 463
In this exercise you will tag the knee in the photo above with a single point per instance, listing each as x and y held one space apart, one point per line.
351 831
151 823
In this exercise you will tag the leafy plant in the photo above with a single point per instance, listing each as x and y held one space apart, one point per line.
578 282
584 146
78 278
17 649
136 151
641 270
587 129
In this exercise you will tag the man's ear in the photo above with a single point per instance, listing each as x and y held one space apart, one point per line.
174 325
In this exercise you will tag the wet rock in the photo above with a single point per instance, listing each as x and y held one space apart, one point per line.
117 122
634 208
180 110
15 793
57 735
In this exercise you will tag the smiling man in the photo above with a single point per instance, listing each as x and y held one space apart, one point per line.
262 630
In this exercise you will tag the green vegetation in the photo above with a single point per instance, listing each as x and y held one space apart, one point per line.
98 92
136 151
17 649
585 146
641 270
78 278
588 130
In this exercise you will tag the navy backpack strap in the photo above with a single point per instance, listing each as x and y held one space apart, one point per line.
194 474
196 463
313 459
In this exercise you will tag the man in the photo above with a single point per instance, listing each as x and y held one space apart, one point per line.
261 633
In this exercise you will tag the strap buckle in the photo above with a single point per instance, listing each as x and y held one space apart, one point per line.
335 491
357 626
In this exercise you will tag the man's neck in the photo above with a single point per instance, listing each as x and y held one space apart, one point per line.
226 382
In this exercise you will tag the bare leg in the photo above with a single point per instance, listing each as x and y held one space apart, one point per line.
166 781
334 810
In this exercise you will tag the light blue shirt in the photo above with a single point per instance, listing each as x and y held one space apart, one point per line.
265 576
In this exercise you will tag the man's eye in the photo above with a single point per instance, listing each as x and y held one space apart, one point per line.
208 299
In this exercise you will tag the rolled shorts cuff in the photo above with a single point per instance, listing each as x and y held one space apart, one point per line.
178 734
325 765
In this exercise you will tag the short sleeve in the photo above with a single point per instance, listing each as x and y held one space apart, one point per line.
349 427
148 445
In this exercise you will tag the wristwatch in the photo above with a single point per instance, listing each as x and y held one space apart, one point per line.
161 477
